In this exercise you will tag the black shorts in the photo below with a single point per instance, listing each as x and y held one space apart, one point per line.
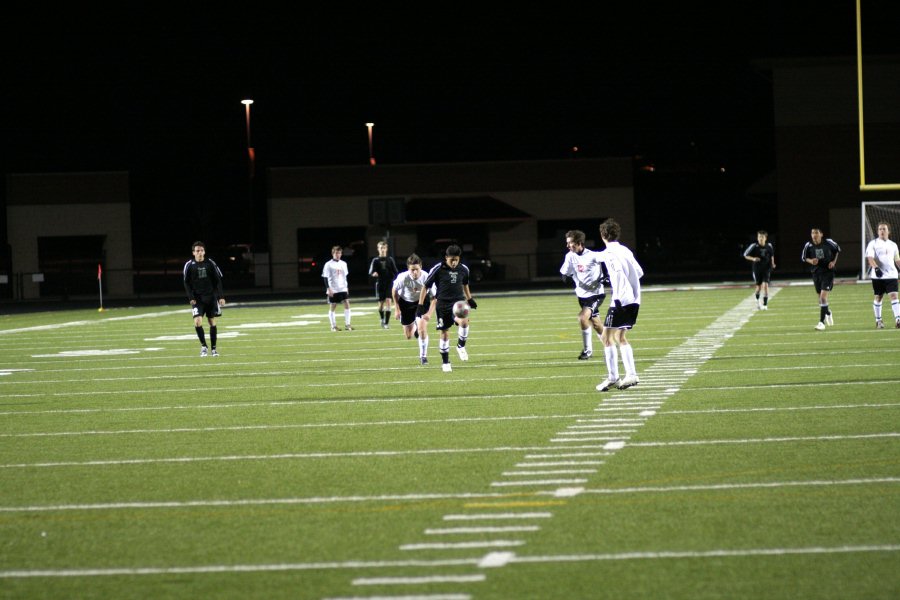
382 289
880 287
407 311
593 303
823 281
206 306
621 316
762 274
444 314
337 297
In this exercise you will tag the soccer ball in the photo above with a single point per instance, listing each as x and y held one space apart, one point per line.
461 309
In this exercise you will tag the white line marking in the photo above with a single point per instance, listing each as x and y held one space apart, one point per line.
490 517
706 554
493 560
569 492
457 530
810 438
553 472
537 482
419 580
560 464
740 486
459 545
354 565
406 597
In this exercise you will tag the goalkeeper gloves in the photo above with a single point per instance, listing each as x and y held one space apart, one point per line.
471 302
420 310
878 272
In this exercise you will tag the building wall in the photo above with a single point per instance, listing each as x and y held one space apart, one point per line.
577 189
70 204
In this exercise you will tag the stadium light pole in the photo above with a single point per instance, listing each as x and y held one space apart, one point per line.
369 126
251 167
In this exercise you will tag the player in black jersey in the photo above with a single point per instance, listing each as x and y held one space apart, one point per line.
384 270
762 254
821 254
203 284
451 281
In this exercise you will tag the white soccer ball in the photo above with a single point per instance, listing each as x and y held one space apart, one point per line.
461 309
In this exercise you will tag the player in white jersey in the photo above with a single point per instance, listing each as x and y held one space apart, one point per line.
625 283
884 259
406 291
587 274
335 275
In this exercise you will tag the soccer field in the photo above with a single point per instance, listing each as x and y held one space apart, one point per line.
757 458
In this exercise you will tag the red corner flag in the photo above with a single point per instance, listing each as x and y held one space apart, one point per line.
99 271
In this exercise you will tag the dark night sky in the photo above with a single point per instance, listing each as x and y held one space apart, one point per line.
158 93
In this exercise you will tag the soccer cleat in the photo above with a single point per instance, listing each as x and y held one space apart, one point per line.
347 327
897 323
214 352
333 328
608 385
764 307
446 368
829 320
385 326
629 381
820 326
585 354
879 324
424 360
203 351
463 353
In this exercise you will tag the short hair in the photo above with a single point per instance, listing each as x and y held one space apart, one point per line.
198 243
336 248
610 230
381 243
885 223
819 229
453 250
762 232
413 260
577 236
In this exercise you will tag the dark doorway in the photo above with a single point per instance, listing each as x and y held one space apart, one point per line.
314 248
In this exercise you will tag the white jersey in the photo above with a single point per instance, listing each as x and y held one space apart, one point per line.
585 271
408 288
335 273
885 253
624 273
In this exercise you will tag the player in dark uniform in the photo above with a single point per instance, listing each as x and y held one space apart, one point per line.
203 284
762 254
822 254
451 281
384 270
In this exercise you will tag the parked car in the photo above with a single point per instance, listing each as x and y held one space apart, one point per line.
238 258
480 266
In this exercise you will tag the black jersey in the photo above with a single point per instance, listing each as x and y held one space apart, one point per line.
203 280
764 252
449 282
386 268
826 252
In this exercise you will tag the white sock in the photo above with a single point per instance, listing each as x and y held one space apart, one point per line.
463 333
423 346
444 345
347 316
876 306
628 359
331 318
586 339
895 306
612 361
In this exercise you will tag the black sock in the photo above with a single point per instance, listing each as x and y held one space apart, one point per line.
757 296
823 310
445 356
765 300
461 342
212 336
201 335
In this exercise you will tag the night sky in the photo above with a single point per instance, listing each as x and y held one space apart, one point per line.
157 91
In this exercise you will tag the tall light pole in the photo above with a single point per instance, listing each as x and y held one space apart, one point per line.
369 126
251 167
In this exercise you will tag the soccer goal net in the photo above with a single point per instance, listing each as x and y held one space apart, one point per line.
874 213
